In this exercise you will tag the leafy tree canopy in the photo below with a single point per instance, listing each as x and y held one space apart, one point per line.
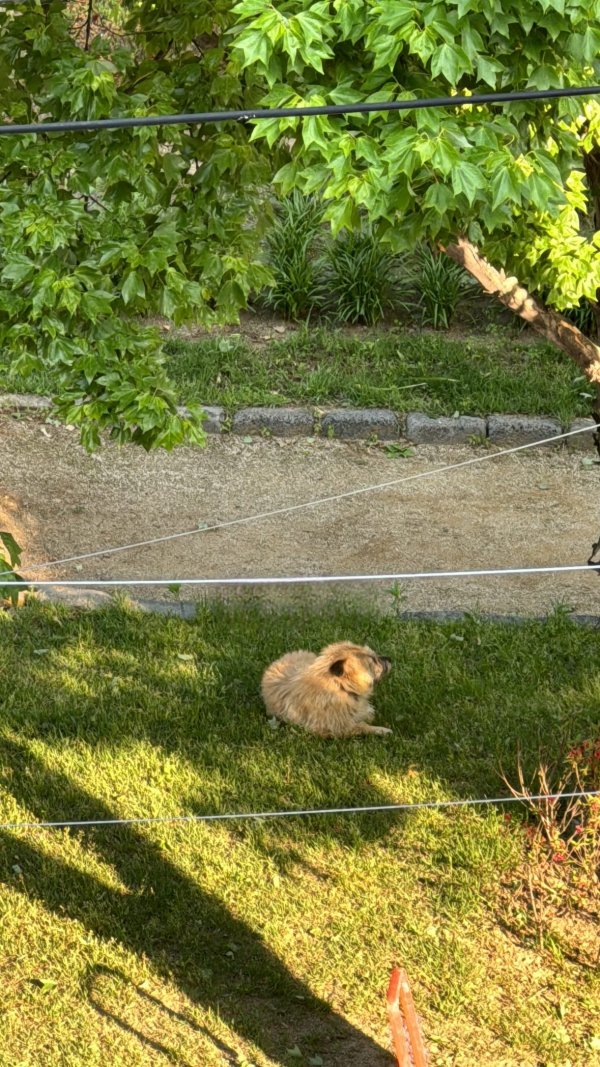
511 179
101 231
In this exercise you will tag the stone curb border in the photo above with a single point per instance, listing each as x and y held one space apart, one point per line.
94 599
356 424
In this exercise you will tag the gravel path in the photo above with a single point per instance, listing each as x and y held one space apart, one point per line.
529 509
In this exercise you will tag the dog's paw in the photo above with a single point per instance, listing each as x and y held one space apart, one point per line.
381 730
274 723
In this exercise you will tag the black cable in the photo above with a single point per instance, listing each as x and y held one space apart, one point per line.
201 117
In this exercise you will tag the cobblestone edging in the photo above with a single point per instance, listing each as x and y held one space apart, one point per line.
363 424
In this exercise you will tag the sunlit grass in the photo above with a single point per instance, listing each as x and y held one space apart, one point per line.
231 943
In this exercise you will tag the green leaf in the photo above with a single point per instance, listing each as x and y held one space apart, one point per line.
549 168
313 130
468 179
585 47
438 197
168 303
452 62
400 149
10 591
394 14
540 191
544 77
342 215
95 303
14 550
18 268
488 70
70 299
444 156
256 48
133 286
472 43
504 187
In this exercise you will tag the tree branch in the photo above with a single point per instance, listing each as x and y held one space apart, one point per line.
88 25
549 323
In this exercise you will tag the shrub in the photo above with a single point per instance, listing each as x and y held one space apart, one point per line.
438 285
359 278
292 247
568 827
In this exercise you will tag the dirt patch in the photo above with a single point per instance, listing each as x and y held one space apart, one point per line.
258 328
524 510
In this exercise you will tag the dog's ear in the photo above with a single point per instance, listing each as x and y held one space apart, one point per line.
337 668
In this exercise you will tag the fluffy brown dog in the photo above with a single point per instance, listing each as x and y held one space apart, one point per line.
326 694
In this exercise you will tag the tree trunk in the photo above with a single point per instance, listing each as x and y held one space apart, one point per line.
549 323
591 164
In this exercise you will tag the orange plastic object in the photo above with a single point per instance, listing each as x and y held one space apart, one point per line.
406 1032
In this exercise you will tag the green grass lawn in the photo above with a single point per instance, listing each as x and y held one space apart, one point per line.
271 943
431 372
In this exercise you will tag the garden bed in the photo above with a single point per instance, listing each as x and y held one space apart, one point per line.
266 362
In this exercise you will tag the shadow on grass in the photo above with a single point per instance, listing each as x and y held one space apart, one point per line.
462 700
166 917
98 971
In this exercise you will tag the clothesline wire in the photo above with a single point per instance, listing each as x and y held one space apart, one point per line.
301 579
149 820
